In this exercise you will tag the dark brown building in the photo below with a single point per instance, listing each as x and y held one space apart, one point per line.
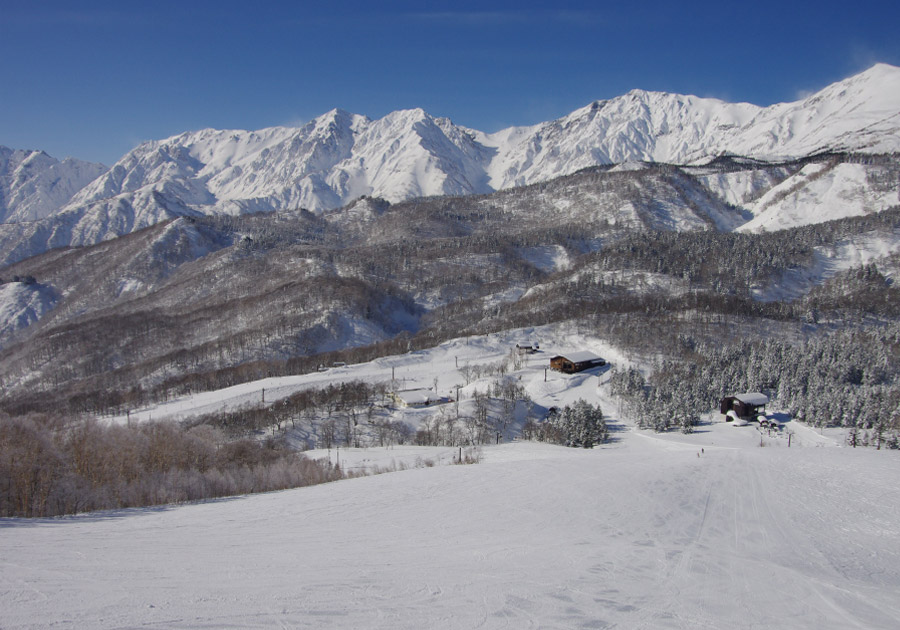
744 405
576 362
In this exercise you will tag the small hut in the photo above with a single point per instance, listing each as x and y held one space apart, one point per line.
747 405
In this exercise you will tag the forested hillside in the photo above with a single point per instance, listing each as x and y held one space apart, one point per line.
197 303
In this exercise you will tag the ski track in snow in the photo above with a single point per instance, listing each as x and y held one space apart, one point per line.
646 531
640 533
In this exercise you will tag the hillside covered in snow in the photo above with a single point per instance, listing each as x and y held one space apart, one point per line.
641 533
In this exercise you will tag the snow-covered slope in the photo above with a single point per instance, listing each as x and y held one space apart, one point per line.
22 304
858 114
822 192
861 113
879 248
34 185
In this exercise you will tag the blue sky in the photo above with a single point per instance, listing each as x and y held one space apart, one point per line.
93 79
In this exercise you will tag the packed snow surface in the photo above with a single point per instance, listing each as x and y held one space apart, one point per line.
707 530
641 533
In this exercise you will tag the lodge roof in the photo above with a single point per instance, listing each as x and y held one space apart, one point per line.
581 356
417 396
753 398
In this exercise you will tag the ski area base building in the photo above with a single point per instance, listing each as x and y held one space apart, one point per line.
576 362
747 405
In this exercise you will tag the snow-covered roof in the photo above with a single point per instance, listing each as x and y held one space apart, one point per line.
753 398
581 356
417 396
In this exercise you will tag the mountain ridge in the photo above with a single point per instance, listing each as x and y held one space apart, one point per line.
340 156
34 185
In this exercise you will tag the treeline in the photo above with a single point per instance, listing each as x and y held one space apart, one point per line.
855 291
51 466
579 425
731 263
345 414
849 378
847 297
359 414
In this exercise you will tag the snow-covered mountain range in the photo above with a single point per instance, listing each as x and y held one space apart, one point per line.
339 157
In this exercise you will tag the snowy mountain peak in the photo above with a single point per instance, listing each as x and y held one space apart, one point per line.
338 119
414 114
874 77
339 156
34 185
874 89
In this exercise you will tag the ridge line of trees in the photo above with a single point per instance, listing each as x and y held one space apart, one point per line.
50 466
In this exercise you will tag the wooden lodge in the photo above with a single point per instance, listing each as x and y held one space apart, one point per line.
576 362
747 405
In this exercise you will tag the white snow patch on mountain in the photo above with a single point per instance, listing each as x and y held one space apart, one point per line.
819 193
547 258
22 304
851 253
740 188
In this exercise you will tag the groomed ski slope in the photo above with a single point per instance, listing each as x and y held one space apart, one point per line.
639 533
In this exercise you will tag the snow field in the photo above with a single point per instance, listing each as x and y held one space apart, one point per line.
640 533
816 194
